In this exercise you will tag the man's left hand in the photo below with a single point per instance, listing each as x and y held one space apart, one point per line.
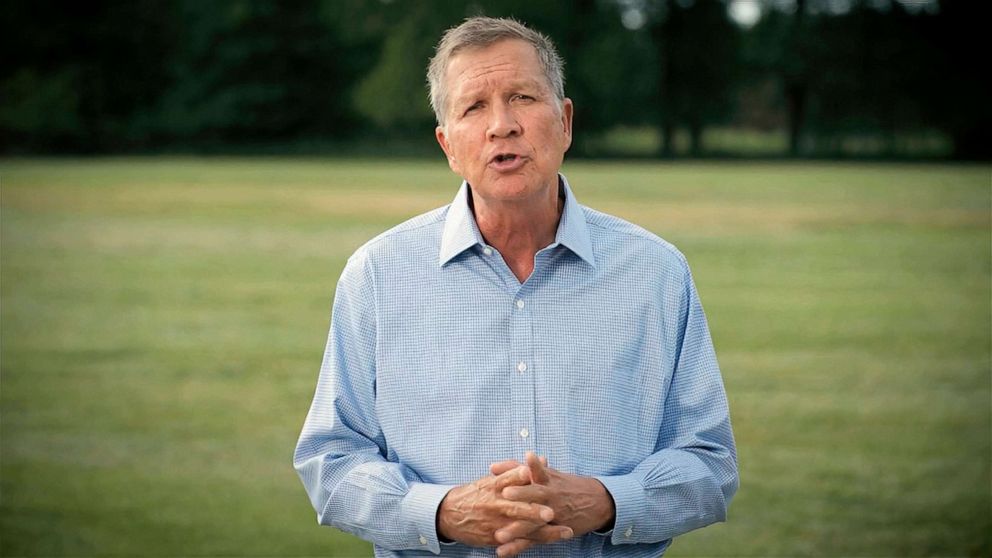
581 503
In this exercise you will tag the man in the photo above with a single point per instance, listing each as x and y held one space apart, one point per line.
515 371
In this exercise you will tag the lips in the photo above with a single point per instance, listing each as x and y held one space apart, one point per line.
506 161
503 157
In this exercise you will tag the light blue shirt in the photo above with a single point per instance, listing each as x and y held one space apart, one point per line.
440 362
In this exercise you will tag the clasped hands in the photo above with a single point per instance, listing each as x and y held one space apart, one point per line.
522 505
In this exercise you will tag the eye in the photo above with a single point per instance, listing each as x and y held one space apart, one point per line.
521 97
473 107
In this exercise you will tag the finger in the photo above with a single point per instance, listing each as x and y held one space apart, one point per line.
514 477
518 529
526 511
544 461
503 466
513 548
551 533
538 470
530 493
544 535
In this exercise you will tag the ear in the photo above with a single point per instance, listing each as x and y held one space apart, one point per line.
566 120
442 140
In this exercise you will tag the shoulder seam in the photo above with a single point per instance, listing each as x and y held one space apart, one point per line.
650 237
400 229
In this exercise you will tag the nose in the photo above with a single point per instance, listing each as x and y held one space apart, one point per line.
502 122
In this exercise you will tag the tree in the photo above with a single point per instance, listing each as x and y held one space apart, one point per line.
261 70
697 49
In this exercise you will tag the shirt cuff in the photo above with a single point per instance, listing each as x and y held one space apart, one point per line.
630 505
420 506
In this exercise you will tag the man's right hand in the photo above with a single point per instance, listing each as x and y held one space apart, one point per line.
472 513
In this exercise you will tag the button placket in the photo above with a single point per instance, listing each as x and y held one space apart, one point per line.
521 384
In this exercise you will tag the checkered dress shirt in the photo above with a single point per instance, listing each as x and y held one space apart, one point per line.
440 362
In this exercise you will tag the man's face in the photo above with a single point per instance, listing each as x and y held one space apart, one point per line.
504 133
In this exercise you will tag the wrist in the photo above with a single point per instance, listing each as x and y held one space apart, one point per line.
607 508
439 524
446 522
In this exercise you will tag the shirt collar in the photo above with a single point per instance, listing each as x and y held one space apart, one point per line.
461 231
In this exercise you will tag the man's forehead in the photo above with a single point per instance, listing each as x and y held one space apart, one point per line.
511 60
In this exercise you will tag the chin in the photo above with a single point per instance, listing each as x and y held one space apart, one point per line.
515 188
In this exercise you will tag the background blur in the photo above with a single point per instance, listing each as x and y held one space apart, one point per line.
825 78
182 182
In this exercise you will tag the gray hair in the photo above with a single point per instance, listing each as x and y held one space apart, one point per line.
480 32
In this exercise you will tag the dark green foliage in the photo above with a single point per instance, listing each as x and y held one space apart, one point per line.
77 75
884 71
247 71
233 74
697 54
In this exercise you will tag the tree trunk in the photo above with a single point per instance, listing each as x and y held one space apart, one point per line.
796 90
795 100
667 138
696 139
666 98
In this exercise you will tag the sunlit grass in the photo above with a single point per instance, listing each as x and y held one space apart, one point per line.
163 320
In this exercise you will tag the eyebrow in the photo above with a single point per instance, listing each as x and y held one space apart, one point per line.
473 93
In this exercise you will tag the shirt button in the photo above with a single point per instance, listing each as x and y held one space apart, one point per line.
524 432
423 539
522 367
487 251
628 532
520 304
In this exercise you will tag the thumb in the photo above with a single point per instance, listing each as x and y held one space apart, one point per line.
503 466
538 468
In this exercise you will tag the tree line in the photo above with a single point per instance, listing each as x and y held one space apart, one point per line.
146 75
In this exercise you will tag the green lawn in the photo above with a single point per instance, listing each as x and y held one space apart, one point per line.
163 321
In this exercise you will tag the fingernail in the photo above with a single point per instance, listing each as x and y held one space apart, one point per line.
547 514
567 533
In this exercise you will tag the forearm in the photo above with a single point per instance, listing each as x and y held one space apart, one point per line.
340 456
688 481
590 507
670 493
384 503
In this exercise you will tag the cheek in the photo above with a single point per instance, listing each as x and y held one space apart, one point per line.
466 150
453 164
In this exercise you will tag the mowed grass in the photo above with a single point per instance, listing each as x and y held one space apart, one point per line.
163 321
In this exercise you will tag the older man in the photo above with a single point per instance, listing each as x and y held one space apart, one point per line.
515 370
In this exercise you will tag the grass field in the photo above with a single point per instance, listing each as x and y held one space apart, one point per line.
163 321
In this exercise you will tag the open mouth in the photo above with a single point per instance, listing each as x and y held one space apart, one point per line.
505 157
507 162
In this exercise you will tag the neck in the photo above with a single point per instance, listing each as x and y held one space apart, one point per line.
519 229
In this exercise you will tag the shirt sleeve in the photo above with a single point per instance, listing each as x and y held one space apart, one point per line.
340 456
689 480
